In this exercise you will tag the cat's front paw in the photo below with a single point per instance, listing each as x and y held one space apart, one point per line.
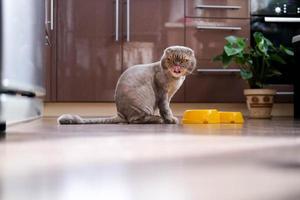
171 120
69 119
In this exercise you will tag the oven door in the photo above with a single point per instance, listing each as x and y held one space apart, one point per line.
280 30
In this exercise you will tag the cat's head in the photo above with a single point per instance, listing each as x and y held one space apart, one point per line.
178 61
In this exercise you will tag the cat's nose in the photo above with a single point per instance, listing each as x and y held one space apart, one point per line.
177 69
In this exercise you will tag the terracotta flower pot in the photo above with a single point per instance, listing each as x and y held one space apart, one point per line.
260 102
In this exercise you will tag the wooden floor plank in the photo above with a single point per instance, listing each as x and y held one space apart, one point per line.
258 160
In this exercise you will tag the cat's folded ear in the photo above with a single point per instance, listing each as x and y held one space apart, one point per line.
191 52
167 51
193 63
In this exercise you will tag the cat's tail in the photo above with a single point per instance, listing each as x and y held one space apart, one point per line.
75 119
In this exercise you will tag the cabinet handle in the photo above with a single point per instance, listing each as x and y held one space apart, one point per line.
117 21
218 70
230 28
284 93
282 19
128 20
51 15
46 13
217 7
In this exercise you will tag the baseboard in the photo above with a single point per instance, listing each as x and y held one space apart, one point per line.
106 109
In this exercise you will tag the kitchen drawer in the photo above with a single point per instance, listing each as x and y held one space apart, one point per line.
218 8
206 36
210 64
214 88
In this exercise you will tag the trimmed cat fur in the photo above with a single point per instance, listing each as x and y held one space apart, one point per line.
142 89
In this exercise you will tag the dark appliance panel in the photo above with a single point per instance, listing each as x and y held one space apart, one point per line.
275 7
278 20
296 43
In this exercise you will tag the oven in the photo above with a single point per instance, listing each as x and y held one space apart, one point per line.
278 20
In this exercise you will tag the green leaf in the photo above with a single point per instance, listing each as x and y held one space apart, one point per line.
238 41
286 50
258 37
226 60
231 39
230 50
262 46
268 42
241 43
240 59
250 61
259 84
277 58
246 74
234 45
274 72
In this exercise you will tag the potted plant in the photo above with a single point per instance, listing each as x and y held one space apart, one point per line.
256 67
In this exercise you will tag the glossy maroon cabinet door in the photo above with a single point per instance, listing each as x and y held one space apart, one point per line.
210 82
47 72
47 51
94 47
206 36
88 55
148 28
50 50
215 88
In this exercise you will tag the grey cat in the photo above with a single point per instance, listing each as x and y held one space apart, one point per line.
142 89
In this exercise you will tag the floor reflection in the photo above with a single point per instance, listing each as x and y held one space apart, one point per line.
213 129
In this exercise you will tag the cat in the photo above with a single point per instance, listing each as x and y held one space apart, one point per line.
142 89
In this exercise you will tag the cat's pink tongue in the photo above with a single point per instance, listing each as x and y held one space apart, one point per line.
177 69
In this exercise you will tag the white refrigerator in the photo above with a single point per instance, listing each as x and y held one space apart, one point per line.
22 40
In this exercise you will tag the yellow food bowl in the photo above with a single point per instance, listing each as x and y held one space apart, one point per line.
201 117
211 116
231 118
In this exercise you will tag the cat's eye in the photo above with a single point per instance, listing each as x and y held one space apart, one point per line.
186 60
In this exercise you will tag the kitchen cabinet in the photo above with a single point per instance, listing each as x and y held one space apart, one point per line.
93 42
88 55
207 24
48 49
97 40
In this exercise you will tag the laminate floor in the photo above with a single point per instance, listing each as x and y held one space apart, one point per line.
257 160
